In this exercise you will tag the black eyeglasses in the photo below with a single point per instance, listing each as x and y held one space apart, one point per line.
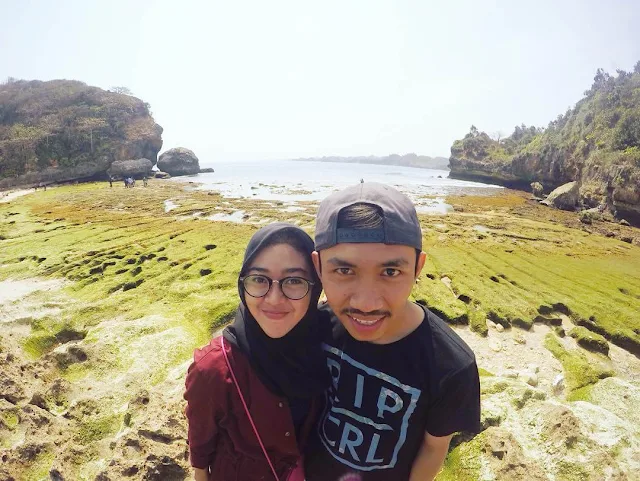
294 288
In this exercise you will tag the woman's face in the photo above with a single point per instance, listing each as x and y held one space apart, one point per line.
275 313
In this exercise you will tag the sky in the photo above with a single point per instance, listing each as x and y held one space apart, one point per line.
254 80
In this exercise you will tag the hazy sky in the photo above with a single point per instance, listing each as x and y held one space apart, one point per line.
274 79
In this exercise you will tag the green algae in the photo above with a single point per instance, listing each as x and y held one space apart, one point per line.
97 428
589 340
580 370
463 462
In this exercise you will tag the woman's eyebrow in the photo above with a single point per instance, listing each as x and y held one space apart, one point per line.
293 270
259 269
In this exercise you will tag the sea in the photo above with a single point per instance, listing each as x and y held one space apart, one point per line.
292 181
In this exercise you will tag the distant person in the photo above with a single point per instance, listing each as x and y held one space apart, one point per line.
403 381
273 352
145 181
110 181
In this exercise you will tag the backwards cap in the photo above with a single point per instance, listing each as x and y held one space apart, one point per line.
400 221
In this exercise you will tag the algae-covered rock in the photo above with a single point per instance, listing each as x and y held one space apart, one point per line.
619 397
565 197
179 161
589 340
537 189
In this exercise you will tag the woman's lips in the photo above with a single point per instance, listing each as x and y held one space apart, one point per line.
275 315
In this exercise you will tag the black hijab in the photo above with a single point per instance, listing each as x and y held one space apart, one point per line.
293 366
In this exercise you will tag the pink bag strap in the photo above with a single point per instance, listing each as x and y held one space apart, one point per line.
246 409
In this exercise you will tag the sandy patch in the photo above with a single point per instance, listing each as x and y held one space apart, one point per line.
8 197
11 290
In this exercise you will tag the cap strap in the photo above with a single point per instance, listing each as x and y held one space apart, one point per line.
359 235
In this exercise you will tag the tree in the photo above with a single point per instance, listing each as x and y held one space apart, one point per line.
121 90
497 135
636 69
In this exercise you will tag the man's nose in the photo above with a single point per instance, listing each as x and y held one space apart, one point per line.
366 298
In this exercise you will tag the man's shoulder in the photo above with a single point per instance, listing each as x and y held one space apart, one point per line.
448 350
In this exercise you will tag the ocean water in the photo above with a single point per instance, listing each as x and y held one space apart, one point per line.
292 181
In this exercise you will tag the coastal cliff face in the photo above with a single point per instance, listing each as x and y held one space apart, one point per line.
597 144
64 130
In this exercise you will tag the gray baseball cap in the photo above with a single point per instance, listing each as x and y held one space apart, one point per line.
400 225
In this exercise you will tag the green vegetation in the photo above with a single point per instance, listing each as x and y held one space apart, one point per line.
589 340
580 370
95 429
597 141
463 462
63 123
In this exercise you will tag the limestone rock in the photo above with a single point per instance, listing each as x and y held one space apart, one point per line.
537 190
10 390
130 168
531 379
499 328
507 458
179 161
558 384
565 197
161 175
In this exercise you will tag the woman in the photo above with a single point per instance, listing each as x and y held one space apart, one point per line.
273 353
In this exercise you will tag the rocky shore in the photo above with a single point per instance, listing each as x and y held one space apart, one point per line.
105 292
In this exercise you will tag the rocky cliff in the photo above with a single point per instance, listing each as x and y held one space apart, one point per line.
64 130
596 143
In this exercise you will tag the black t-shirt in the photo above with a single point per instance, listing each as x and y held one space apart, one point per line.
385 397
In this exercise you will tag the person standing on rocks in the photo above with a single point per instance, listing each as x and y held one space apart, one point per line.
402 381
253 393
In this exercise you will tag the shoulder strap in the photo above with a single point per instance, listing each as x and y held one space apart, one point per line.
246 409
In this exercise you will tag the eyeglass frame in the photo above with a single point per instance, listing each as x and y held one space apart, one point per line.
310 285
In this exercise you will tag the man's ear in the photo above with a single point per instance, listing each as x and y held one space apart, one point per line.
420 264
315 257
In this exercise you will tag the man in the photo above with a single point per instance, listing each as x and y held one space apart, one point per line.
403 381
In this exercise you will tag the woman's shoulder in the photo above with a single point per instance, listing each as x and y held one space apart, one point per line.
210 360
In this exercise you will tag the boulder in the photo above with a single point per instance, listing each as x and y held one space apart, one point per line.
161 175
130 168
207 170
179 161
565 197
537 190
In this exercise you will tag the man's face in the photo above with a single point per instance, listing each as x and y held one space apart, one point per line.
368 286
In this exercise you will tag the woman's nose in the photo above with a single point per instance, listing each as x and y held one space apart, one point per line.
275 294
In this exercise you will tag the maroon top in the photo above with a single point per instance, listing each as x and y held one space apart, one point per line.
220 435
